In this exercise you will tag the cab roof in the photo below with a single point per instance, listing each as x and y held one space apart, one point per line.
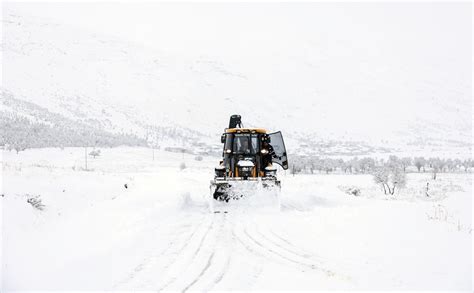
245 130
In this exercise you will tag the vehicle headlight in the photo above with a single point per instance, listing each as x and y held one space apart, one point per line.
264 151
270 171
228 151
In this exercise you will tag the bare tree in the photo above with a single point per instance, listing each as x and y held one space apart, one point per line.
354 165
419 163
381 175
467 164
19 146
328 165
405 162
398 179
390 176
437 166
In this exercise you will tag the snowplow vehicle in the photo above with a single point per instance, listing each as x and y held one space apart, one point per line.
248 166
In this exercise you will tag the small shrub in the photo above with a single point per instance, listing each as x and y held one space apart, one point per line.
182 166
198 158
94 153
35 201
351 190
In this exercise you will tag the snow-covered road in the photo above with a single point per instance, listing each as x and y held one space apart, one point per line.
224 251
157 232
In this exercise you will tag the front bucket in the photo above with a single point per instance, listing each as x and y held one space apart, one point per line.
228 195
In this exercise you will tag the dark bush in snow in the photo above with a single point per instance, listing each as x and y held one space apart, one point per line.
352 190
35 201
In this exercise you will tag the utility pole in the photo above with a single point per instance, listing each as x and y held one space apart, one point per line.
85 156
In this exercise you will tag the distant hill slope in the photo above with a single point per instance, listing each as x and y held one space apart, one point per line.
26 125
334 89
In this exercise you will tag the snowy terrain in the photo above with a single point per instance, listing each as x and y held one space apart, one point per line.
152 86
92 233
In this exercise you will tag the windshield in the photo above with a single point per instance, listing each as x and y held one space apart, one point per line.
245 144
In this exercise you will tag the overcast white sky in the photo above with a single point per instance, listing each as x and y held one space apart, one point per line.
253 28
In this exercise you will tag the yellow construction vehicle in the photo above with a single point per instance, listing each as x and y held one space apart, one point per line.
248 166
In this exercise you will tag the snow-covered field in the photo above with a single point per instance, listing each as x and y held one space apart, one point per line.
93 233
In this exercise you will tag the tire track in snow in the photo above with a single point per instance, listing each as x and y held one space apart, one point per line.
221 274
225 246
272 251
286 245
291 207
288 248
194 255
215 267
187 242
276 253
217 248
258 268
310 255
208 264
252 269
295 253
145 263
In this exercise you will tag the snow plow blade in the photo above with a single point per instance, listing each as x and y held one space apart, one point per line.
230 193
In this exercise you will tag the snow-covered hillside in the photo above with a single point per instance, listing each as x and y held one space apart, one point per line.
385 86
133 223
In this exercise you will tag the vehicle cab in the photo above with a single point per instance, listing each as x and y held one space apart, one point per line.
251 152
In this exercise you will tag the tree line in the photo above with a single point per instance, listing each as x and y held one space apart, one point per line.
366 165
390 174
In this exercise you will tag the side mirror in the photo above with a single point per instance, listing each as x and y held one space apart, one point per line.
223 138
